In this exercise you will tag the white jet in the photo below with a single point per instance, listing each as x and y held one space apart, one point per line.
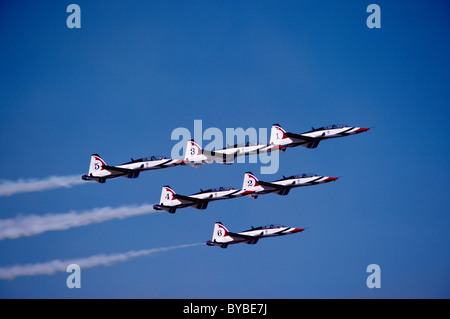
280 139
171 201
196 156
222 237
99 171
253 187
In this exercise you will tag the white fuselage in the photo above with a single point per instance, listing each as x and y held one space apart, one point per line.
319 135
253 187
216 195
332 132
269 232
228 155
100 171
222 237
149 165
242 150
170 199
297 182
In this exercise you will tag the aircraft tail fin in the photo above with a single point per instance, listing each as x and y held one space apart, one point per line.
193 154
250 182
166 195
192 150
220 231
277 134
96 164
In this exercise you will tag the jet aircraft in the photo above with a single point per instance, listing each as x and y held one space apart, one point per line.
171 201
222 237
280 139
99 171
196 156
253 187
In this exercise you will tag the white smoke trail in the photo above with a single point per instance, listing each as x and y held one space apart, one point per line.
31 225
8 187
54 266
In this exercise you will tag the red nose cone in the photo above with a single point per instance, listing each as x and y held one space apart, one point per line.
362 129
297 230
331 179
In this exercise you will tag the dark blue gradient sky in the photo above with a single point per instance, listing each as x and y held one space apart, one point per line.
136 70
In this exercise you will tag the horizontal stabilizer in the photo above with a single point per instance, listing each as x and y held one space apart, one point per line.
166 208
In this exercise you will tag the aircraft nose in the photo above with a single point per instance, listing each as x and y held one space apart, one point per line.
362 129
331 179
297 230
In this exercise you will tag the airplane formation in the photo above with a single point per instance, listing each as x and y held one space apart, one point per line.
252 187
195 156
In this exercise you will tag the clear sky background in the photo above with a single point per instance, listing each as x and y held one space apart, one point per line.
136 70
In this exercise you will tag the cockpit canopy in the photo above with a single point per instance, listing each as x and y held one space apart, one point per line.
329 127
156 158
304 175
147 159
217 189
271 226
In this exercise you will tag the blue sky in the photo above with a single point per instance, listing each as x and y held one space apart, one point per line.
135 71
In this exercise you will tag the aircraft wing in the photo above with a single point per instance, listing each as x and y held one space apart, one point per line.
308 142
119 169
235 235
276 186
222 157
190 199
232 194
162 164
208 153
299 137
280 189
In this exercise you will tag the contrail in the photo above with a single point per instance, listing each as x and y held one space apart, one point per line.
57 265
30 225
8 187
